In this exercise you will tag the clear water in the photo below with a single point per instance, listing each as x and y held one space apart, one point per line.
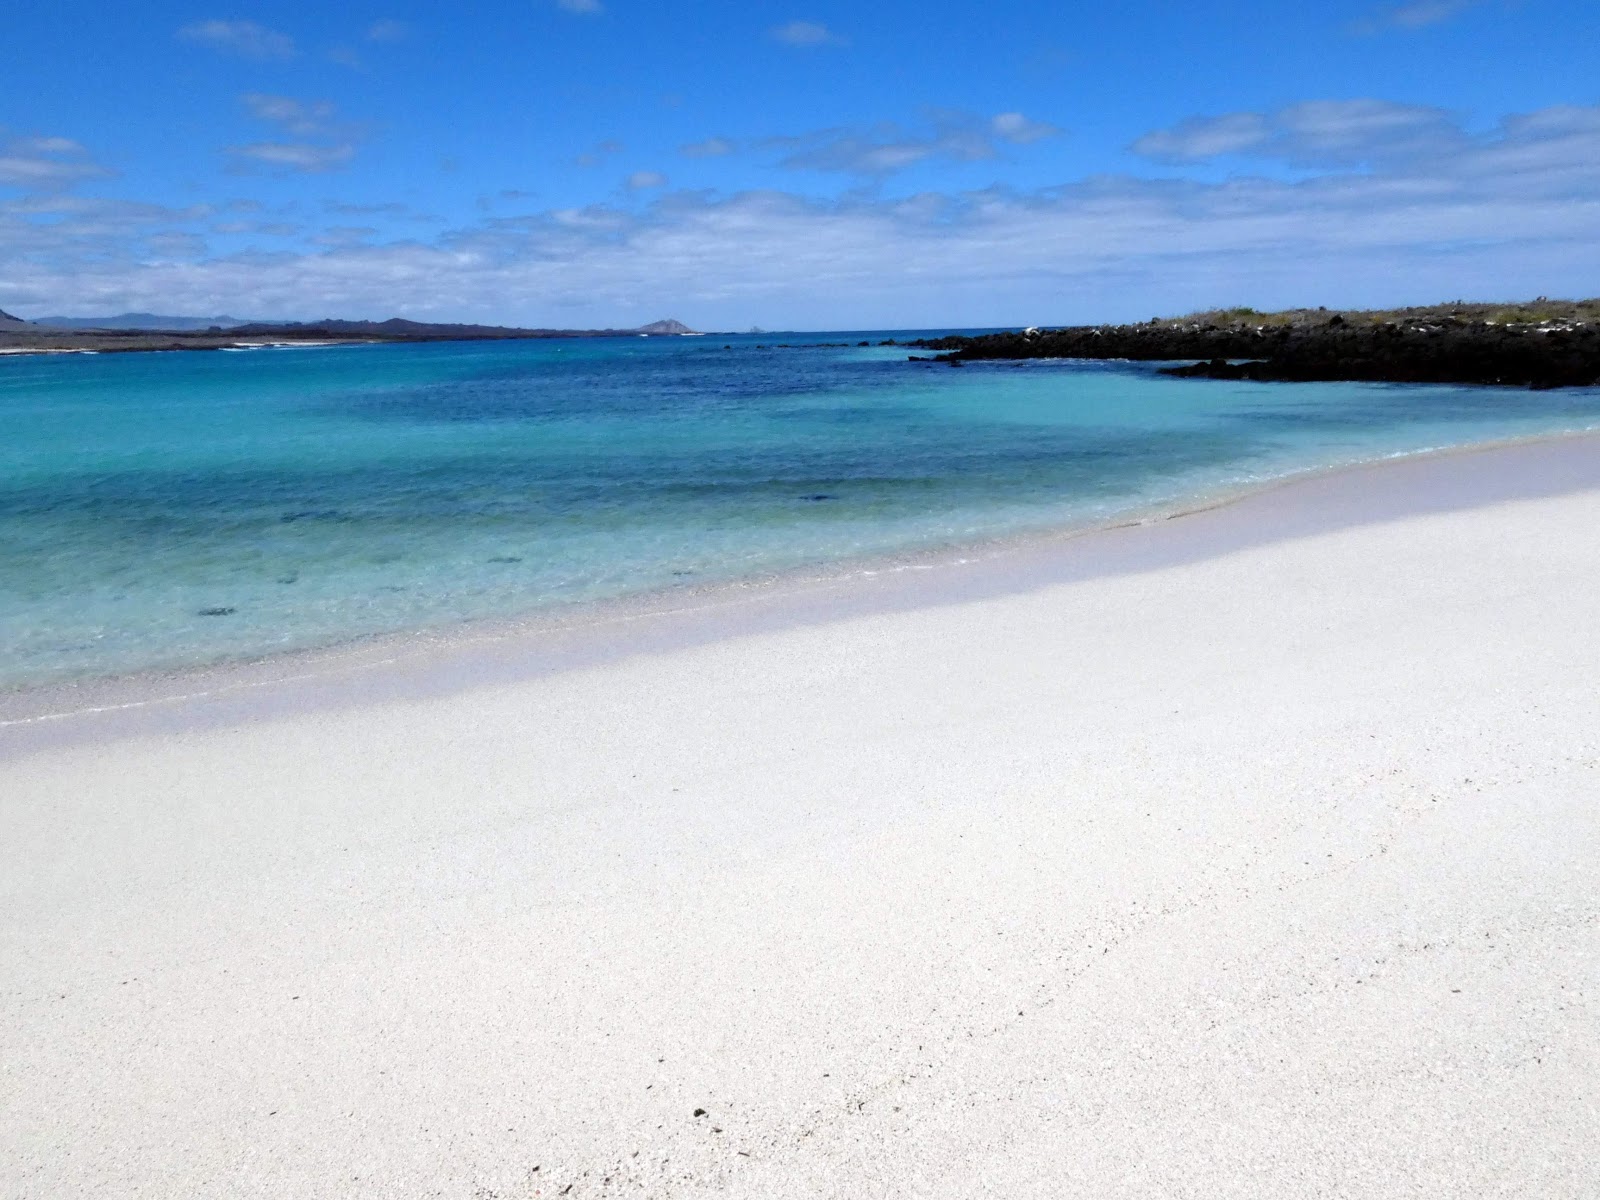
161 510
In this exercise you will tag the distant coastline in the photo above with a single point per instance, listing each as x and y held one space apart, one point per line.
26 337
1542 344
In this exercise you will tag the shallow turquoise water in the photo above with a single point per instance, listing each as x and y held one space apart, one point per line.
161 510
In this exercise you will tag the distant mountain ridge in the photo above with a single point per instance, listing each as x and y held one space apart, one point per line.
404 329
103 334
145 321
394 327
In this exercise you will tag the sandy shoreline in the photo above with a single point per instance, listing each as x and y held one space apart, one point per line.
1254 853
433 660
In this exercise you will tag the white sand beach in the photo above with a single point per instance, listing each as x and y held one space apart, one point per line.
1250 854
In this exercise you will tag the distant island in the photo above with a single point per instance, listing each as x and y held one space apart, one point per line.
144 331
1542 343
148 321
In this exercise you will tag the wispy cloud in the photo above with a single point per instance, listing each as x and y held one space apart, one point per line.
388 31
585 8
886 148
344 235
640 180
293 156
713 147
1199 138
45 164
260 228
175 246
325 146
388 208
1316 133
49 145
1512 209
244 38
806 35
1414 14
1016 128
304 117
597 154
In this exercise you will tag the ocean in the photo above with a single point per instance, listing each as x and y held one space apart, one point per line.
166 510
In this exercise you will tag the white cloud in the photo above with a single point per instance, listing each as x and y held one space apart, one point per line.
382 209
1200 138
587 8
40 232
175 246
45 164
262 228
1414 14
806 34
1014 127
48 145
883 149
388 31
344 235
293 156
1512 211
245 38
31 173
640 180
304 118
325 144
1314 133
713 147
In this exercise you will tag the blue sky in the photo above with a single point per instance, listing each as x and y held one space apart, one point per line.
585 163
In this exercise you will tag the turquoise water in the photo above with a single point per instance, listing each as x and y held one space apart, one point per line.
162 510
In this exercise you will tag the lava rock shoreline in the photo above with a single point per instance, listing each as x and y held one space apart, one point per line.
1429 348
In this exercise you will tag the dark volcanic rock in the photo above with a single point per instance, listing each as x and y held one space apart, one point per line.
1440 350
1468 354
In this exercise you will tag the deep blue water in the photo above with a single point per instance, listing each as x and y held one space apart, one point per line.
161 510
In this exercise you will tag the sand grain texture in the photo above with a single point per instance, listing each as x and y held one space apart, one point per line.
1275 874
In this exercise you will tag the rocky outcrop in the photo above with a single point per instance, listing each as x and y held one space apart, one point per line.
1431 348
